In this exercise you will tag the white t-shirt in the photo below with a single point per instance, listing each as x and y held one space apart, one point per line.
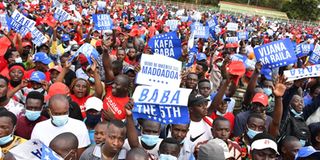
14 107
45 131
126 148
198 132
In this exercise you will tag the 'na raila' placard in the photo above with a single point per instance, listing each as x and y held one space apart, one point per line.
276 54
161 104
158 70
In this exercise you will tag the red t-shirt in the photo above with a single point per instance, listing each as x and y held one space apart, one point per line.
116 104
80 102
229 116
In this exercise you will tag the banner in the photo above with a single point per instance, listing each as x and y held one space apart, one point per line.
199 30
164 105
172 24
315 55
299 73
102 22
232 26
37 37
158 70
20 23
4 20
61 15
243 35
167 44
101 5
88 50
34 150
232 39
276 54
304 49
211 23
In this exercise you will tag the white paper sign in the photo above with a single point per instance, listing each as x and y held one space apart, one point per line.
232 26
158 70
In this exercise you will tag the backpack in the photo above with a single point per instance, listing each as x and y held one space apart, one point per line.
295 126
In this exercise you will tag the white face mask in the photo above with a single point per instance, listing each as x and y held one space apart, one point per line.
167 157
18 60
220 114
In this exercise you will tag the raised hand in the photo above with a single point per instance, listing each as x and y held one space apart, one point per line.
129 106
279 87
258 67
94 64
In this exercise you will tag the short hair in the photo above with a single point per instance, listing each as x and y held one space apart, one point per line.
5 113
313 88
69 139
254 115
58 97
8 53
314 130
204 65
4 78
35 95
219 119
116 123
204 80
286 140
117 64
168 141
146 120
139 152
16 64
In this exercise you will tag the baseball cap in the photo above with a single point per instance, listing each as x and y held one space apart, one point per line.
211 150
57 88
65 37
307 152
201 56
42 57
236 68
93 103
196 100
264 143
37 76
26 43
57 68
224 145
126 69
260 98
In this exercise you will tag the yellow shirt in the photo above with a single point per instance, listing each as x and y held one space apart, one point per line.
16 141
56 49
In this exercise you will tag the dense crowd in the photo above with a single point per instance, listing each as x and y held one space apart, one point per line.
238 108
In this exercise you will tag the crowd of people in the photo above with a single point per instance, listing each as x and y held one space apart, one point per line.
63 99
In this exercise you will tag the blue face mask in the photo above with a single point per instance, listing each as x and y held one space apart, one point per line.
267 91
296 114
60 120
6 139
32 115
302 142
167 157
150 140
251 133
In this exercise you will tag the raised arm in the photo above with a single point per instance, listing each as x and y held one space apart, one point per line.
131 130
218 98
109 76
278 92
97 83
252 85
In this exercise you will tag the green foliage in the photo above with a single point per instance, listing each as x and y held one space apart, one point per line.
302 9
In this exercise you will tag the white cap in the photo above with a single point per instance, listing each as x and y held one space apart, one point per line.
93 103
264 144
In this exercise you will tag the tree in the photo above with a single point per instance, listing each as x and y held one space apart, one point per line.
302 9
